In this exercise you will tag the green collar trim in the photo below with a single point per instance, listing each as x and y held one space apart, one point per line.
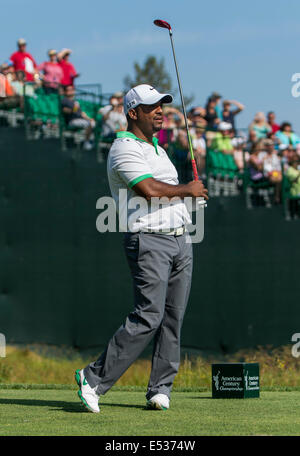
128 134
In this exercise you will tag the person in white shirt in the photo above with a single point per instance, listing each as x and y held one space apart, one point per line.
272 168
199 146
113 117
159 254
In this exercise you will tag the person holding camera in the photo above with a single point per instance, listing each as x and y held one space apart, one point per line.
113 117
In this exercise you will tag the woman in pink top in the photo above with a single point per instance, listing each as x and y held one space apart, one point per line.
68 69
53 73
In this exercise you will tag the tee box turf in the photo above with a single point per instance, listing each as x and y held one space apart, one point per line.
235 380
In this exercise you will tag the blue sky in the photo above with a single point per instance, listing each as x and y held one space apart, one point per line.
245 50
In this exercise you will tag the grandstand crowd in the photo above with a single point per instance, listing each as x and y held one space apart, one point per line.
268 151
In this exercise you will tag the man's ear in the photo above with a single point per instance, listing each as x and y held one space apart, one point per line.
132 114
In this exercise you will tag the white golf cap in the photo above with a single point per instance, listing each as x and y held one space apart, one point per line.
144 94
224 126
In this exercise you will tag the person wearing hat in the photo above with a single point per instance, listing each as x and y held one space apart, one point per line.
69 72
7 68
23 61
158 250
51 73
222 140
113 117
8 97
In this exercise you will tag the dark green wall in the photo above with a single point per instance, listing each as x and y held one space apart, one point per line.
61 282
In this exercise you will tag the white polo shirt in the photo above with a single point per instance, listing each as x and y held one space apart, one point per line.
130 160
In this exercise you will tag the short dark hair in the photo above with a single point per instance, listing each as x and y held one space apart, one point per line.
285 124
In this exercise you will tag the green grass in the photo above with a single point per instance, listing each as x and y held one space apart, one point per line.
38 397
59 412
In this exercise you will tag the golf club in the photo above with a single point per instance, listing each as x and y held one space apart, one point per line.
164 24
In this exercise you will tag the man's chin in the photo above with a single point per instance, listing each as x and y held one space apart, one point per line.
157 126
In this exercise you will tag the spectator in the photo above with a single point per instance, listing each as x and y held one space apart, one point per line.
75 117
8 98
8 70
216 97
256 163
23 61
211 116
274 138
222 140
166 134
252 139
293 175
240 153
198 116
286 154
17 83
291 152
260 125
52 73
287 136
181 150
272 168
69 72
228 114
271 121
113 117
199 146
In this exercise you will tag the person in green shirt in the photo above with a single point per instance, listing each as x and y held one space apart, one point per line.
293 175
222 139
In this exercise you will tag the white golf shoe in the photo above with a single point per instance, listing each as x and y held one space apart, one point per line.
87 395
159 402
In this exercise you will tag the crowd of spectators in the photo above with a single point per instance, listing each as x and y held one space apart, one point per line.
263 148
266 148
54 74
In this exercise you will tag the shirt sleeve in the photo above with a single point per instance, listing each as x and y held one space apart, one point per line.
131 166
12 58
73 72
105 109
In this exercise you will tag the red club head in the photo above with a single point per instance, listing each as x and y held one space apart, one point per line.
162 24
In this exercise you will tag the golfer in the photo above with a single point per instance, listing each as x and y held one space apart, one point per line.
158 251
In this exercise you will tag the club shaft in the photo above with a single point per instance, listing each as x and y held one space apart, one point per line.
182 99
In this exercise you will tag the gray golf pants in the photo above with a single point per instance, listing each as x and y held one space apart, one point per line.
161 267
